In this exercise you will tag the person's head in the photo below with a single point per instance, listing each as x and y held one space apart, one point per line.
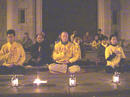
100 31
11 36
64 36
113 39
40 37
26 35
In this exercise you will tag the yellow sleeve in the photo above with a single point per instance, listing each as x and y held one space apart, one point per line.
57 55
3 55
94 44
122 53
22 56
107 52
76 54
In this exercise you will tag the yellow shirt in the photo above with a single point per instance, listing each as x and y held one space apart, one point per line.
105 44
12 54
95 44
115 61
68 52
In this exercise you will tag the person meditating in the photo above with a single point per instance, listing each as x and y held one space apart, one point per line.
40 52
12 54
115 56
65 55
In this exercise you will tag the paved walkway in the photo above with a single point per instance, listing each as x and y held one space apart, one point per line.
89 84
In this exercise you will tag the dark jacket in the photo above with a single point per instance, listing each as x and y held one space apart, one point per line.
44 52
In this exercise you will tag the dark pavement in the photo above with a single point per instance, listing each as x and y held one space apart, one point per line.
90 83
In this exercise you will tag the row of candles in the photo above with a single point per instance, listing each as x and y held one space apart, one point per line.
37 81
72 80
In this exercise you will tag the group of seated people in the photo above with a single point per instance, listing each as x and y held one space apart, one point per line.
65 56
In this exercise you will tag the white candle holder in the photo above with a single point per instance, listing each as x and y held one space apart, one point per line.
14 81
72 80
116 77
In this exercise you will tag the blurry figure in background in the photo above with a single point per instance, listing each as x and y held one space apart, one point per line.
53 43
65 54
58 39
77 40
26 42
123 43
86 38
86 43
95 43
101 51
12 53
104 42
100 34
115 56
40 51
74 33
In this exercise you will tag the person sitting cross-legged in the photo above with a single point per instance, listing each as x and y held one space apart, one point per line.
12 54
40 52
115 56
66 56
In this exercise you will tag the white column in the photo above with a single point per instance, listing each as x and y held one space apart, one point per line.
10 14
101 18
125 20
104 16
38 16
3 19
108 17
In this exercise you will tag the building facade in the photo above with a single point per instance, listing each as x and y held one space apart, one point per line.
26 16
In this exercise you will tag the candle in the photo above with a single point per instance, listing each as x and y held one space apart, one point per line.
72 80
116 77
37 81
14 81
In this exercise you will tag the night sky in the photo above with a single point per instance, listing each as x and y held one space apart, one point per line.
69 15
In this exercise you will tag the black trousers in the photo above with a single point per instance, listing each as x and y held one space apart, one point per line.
122 67
12 70
33 62
70 64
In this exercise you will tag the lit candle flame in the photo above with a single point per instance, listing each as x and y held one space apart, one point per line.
37 81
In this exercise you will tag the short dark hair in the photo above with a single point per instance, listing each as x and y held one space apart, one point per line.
11 31
41 33
113 35
64 31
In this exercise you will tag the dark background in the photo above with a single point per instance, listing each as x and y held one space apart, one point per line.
69 15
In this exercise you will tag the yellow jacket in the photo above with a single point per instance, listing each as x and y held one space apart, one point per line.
95 44
68 52
115 61
12 54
